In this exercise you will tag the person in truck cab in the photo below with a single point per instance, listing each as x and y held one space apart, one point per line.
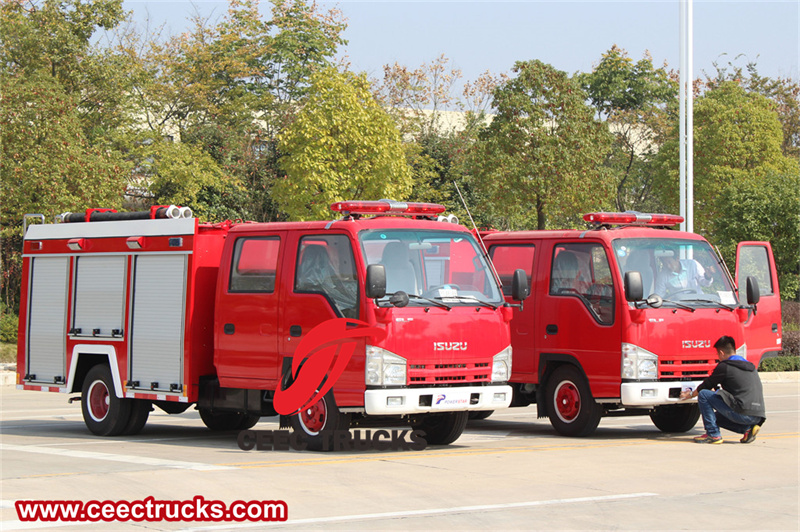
681 275
738 402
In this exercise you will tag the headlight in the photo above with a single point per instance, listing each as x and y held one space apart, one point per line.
501 365
742 351
638 363
384 368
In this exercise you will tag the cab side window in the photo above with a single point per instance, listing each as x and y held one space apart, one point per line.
255 263
325 266
582 271
509 258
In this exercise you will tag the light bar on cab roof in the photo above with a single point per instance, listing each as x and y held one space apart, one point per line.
387 207
632 218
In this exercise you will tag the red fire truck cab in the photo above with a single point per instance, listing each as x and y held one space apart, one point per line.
624 315
171 312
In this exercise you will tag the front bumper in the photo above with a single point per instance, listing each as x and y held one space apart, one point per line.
420 400
655 393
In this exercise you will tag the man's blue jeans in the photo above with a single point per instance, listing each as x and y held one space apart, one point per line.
716 413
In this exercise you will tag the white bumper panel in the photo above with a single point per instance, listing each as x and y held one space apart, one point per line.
654 393
411 400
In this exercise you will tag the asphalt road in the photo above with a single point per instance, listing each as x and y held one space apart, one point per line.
510 471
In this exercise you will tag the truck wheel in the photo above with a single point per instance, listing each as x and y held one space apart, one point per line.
570 405
140 411
443 429
675 418
215 420
104 413
317 422
248 421
480 414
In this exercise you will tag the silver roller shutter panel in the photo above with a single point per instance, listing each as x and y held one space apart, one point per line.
47 322
99 294
158 317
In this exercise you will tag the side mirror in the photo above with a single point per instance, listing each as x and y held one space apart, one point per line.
519 286
634 289
376 281
753 293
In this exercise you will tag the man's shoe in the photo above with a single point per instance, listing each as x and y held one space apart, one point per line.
705 438
750 435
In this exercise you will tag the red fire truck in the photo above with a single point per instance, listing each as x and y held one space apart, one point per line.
138 309
624 315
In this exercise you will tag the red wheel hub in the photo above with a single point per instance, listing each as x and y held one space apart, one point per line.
98 401
314 416
568 401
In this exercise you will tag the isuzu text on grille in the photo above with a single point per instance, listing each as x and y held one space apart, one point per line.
449 346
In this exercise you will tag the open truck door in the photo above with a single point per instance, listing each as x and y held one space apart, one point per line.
762 331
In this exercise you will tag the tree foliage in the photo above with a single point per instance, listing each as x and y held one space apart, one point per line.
541 150
58 102
632 98
342 145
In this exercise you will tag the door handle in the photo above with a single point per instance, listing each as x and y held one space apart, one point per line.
775 327
551 329
229 328
295 331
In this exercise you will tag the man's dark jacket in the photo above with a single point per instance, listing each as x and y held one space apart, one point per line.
741 386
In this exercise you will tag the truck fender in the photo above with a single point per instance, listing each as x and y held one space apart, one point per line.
548 362
84 356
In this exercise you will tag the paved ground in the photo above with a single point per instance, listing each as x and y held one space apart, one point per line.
510 471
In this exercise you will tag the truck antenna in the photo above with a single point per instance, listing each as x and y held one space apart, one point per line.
478 234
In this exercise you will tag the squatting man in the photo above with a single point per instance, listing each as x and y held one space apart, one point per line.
738 405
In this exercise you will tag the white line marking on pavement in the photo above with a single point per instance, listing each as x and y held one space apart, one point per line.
128 459
432 511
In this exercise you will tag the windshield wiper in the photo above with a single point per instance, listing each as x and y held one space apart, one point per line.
431 301
721 304
679 305
471 299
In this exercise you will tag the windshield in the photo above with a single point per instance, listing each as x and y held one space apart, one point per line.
444 266
687 271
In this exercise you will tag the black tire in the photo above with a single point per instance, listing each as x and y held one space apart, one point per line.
676 418
570 405
140 411
443 429
104 413
221 420
249 421
480 414
316 423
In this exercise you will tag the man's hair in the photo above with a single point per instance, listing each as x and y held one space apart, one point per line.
726 344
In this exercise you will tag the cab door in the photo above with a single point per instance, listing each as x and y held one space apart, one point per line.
579 311
762 330
248 310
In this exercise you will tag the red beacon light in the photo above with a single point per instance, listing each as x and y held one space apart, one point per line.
633 218
387 207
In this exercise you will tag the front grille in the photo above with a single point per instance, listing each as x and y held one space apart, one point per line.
677 369
460 372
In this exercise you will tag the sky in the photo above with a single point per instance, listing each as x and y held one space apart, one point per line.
571 36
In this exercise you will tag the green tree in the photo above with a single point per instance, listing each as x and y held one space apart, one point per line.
182 174
342 145
541 151
765 207
783 92
737 136
744 186
632 98
231 87
57 106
